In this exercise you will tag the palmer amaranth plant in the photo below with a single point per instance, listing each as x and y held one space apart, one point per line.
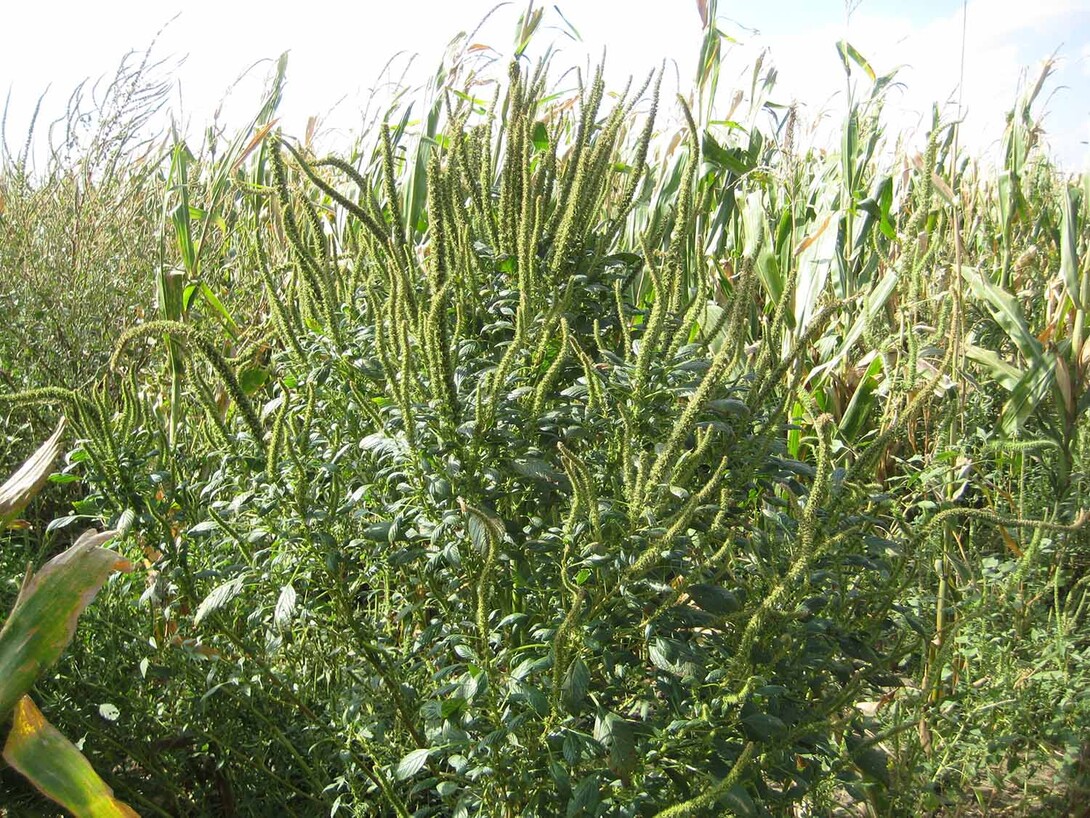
574 463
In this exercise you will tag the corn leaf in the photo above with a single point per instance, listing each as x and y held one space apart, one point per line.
44 618
848 55
1028 394
1004 373
1069 254
17 492
1007 312
57 768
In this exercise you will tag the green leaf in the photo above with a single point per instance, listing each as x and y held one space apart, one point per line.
187 296
540 137
615 734
57 768
862 400
217 305
733 160
485 531
220 596
285 606
575 686
252 378
585 797
1069 253
661 654
1005 374
874 763
764 727
848 55
1028 394
714 600
1007 312
411 764
43 620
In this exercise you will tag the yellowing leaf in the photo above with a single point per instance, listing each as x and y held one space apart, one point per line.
31 476
43 621
57 768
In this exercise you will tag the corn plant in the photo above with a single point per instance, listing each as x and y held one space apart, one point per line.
34 635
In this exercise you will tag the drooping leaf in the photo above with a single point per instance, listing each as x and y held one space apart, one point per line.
1030 391
1007 312
585 797
29 478
737 799
57 768
43 620
849 55
1005 374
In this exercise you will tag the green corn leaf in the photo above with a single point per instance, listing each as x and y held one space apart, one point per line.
1028 394
848 55
1007 312
873 303
1004 373
1069 254
57 768
44 618
862 400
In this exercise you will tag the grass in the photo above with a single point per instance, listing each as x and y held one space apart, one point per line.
557 450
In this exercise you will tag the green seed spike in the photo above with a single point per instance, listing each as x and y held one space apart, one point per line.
596 401
436 272
653 553
209 352
222 436
575 164
282 320
393 201
674 263
552 374
276 438
583 485
493 530
701 804
807 551
653 330
689 320
639 166
367 219
560 647
683 427
308 266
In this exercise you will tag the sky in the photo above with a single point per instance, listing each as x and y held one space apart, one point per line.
338 52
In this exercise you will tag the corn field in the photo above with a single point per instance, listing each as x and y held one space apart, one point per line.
552 449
